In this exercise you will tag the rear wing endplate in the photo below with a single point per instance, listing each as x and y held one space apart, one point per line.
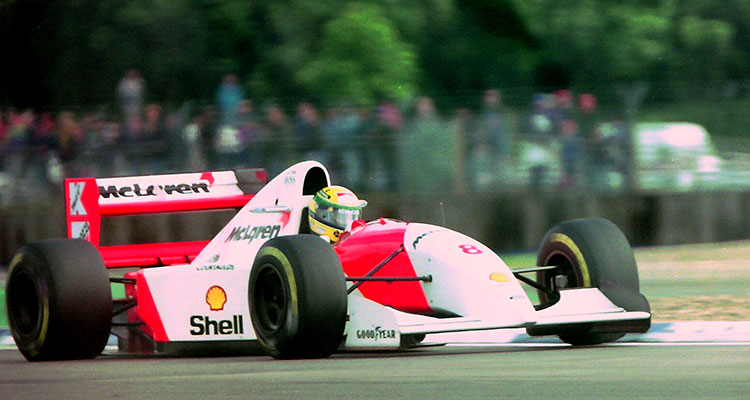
88 200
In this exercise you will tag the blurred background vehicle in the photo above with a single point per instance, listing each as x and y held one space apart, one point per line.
681 156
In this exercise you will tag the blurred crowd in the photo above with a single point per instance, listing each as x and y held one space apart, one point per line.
561 141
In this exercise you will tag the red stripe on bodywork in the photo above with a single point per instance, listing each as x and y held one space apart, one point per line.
367 247
156 207
151 254
147 309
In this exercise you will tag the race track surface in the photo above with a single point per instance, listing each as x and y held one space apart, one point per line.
527 371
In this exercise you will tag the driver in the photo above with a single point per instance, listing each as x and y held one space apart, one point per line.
332 211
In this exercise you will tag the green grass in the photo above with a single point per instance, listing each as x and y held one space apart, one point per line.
519 260
3 317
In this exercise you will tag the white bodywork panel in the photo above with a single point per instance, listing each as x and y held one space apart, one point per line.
208 299
181 292
470 280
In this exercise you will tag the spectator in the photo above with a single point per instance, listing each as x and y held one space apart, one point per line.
389 122
69 141
462 128
152 151
250 133
537 145
19 125
563 106
3 133
427 152
46 127
361 174
190 145
228 98
130 94
340 131
307 135
570 152
3 126
596 161
279 151
540 126
209 128
99 152
229 141
490 142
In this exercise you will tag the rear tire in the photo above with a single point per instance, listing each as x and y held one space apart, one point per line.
592 252
297 295
59 300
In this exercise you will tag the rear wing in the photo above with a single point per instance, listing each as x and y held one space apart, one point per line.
88 200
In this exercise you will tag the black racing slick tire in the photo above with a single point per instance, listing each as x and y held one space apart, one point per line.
298 299
591 252
59 300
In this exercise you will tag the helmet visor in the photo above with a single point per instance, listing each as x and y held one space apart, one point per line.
336 217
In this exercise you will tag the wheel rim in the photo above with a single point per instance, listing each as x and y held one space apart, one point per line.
270 299
24 305
565 266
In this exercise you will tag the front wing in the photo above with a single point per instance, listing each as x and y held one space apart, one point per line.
372 325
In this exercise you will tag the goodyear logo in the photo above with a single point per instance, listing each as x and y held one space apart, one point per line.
375 334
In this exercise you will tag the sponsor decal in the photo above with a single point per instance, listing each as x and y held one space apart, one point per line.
469 249
422 236
251 233
80 230
216 267
137 190
75 192
376 334
203 325
499 277
216 297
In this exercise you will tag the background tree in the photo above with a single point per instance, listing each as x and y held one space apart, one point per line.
72 53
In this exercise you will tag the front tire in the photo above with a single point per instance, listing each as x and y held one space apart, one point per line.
297 295
59 300
591 252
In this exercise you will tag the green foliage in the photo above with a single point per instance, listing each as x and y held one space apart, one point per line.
361 59
75 52
3 312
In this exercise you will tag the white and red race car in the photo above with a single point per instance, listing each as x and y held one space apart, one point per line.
265 281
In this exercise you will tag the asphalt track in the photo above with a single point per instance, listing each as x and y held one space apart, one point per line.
461 371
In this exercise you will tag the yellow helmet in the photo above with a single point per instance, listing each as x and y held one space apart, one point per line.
332 209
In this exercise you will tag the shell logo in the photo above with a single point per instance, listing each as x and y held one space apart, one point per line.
216 297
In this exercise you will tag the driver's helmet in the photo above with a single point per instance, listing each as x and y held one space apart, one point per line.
332 209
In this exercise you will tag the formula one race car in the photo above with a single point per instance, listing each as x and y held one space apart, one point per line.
265 282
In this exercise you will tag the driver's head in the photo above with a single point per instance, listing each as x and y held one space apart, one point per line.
332 209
